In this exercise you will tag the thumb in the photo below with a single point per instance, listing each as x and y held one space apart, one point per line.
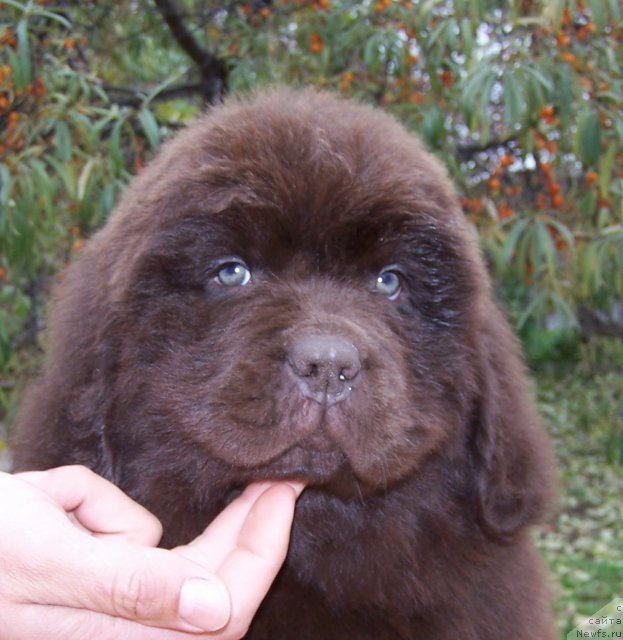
152 586
159 588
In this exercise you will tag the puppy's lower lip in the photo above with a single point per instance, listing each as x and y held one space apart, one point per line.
307 465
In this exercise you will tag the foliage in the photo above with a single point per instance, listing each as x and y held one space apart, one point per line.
584 543
65 155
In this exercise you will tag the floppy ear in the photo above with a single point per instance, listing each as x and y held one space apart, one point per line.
62 413
515 471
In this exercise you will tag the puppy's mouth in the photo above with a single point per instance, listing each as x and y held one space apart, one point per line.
315 458
304 463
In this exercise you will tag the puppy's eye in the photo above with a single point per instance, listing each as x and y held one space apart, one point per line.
388 283
233 274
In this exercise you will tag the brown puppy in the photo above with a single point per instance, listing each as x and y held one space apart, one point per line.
291 291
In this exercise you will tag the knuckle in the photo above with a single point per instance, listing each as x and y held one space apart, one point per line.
138 594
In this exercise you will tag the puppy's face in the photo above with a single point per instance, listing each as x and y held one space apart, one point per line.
303 303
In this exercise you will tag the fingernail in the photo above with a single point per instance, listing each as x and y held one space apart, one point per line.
298 487
204 604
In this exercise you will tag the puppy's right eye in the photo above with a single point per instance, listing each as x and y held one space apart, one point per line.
233 274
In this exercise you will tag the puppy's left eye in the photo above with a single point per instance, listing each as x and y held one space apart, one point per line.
388 283
233 274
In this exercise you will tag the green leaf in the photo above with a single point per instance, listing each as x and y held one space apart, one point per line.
433 129
476 11
83 180
468 40
605 168
114 144
598 14
518 228
554 10
546 248
536 308
150 127
564 98
17 5
513 99
62 141
23 55
52 16
589 139
615 10
6 182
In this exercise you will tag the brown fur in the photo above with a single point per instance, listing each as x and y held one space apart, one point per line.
422 482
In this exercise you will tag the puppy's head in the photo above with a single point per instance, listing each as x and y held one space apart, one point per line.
290 291
295 292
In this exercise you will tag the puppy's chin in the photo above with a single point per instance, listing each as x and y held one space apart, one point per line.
316 463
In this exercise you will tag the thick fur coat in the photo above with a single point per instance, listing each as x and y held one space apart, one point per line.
290 290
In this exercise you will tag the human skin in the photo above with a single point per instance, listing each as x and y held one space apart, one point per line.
78 559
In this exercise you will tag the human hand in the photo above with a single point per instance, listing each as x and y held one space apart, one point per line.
77 560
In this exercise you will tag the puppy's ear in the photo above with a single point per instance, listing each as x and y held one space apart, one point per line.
514 468
62 413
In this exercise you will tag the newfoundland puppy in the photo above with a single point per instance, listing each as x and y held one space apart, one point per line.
290 291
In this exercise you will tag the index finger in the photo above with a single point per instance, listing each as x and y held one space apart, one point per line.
251 538
97 504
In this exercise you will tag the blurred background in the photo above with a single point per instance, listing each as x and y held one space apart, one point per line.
522 100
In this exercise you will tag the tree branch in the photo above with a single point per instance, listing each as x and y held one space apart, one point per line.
212 70
126 97
602 323
468 150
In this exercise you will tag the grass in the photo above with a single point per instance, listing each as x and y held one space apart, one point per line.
583 545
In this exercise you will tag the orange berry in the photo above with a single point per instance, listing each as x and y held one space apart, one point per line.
447 79
494 184
39 88
603 203
557 201
316 43
541 201
547 113
505 211
265 12
8 38
563 39
417 98
507 160
591 178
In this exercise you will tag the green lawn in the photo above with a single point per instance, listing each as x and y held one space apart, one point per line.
584 543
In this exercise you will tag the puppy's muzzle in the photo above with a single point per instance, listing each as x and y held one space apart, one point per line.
326 367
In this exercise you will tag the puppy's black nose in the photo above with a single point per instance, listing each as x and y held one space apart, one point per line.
325 367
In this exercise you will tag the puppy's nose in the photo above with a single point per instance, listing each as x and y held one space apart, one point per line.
325 367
